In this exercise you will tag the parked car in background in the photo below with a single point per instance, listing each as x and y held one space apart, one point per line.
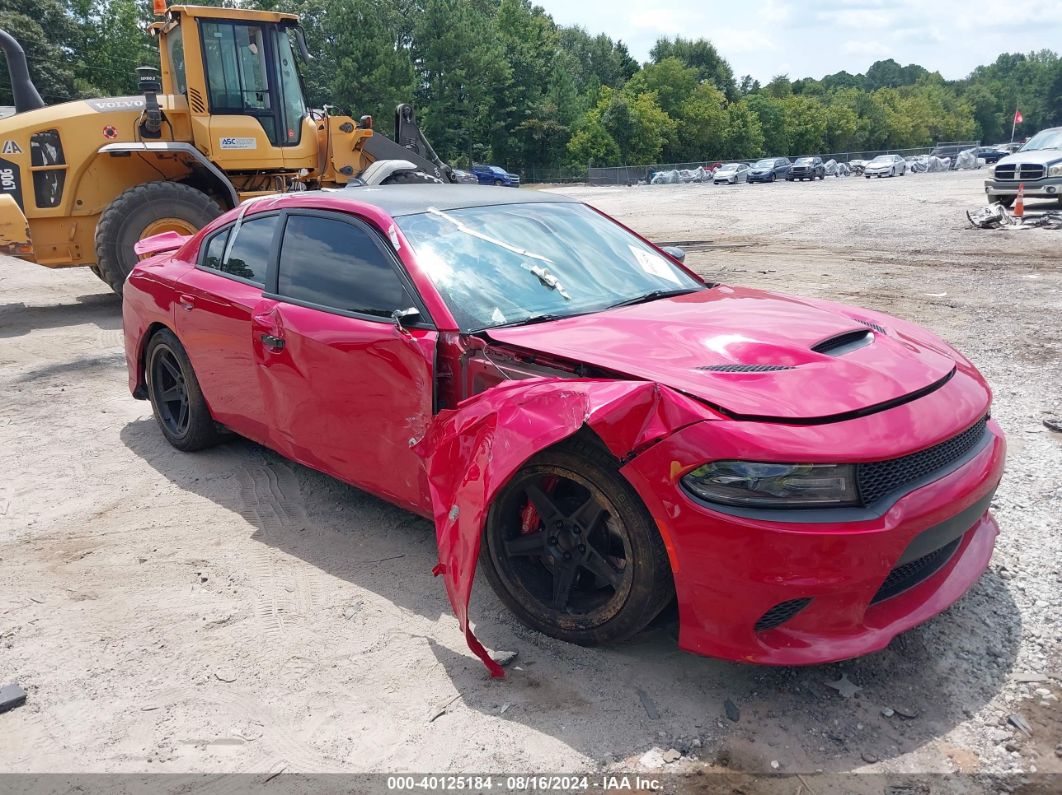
885 166
769 169
731 173
991 154
600 429
465 177
1037 166
807 168
495 175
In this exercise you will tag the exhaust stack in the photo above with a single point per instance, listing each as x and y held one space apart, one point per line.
22 88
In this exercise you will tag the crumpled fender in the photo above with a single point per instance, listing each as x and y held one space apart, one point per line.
470 452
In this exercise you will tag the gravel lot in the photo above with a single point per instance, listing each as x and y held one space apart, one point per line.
231 611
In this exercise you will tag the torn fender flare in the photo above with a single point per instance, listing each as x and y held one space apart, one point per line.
472 451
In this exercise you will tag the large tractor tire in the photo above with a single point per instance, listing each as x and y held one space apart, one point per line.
142 211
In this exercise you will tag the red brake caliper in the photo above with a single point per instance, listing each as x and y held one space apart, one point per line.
529 518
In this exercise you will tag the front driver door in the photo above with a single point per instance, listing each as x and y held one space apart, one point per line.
216 303
349 391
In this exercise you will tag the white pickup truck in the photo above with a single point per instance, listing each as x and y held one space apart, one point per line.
1037 166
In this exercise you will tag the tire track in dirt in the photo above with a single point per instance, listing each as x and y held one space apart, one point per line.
269 499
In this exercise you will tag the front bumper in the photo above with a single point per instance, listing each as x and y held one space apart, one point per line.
731 571
1047 187
761 177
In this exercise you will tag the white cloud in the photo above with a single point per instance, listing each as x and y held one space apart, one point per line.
862 47
860 18
812 38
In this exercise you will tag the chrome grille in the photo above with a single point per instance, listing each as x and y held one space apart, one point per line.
1021 171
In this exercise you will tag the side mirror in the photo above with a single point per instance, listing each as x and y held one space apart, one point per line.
675 252
403 317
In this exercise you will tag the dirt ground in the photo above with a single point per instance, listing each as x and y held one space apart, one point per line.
231 611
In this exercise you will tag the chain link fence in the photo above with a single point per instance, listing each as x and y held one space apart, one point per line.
632 175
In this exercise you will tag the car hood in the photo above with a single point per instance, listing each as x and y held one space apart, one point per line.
751 353
1041 156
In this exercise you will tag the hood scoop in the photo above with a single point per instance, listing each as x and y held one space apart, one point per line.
745 368
844 343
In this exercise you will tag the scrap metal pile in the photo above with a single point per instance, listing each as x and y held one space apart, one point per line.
996 216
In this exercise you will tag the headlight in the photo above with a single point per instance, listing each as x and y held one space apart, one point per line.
992 170
1055 170
766 485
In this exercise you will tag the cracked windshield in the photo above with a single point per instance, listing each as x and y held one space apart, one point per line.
519 263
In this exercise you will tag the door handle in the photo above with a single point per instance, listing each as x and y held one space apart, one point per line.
187 302
272 342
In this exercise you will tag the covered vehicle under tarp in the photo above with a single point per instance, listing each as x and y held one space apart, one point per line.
682 176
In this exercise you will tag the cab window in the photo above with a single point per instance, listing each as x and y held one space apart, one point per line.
238 72
175 43
339 264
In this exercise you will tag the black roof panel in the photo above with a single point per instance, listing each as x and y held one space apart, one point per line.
398 200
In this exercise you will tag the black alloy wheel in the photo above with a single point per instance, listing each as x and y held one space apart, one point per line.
572 551
177 400
169 391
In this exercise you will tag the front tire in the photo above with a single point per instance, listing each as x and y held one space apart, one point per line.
140 212
176 398
572 551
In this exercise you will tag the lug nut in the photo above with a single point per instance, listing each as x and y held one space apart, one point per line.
567 555
553 541
582 547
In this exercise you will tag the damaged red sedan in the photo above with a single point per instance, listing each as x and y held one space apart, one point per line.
581 415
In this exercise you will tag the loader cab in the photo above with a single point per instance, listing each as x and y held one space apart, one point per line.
250 71
238 71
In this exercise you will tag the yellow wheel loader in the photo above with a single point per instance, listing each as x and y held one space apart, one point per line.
223 120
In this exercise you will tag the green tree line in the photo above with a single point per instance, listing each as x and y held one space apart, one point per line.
500 81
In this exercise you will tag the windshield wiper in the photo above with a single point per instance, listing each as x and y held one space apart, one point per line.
654 295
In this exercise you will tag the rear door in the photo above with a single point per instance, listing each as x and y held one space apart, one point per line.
216 303
349 391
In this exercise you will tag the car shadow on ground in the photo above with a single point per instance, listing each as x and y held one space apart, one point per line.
102 309
615 703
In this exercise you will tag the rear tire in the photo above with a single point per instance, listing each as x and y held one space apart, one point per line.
134 212
176 398
593 569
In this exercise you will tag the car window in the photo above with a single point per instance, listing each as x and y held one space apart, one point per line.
248 257
339 265
215 250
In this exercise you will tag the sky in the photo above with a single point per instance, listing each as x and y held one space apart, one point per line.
813 38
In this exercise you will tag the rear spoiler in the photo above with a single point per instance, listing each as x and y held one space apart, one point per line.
157 244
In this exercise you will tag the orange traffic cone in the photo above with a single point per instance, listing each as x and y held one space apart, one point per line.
1019 201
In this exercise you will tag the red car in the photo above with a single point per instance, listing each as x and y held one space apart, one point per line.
582 415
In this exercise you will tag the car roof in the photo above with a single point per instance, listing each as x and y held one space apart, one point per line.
399 200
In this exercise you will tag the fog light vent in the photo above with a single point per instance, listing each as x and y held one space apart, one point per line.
780 613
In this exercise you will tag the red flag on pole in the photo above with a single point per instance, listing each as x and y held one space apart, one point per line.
1017 117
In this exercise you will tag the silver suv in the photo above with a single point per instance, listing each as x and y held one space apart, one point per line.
1037 166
